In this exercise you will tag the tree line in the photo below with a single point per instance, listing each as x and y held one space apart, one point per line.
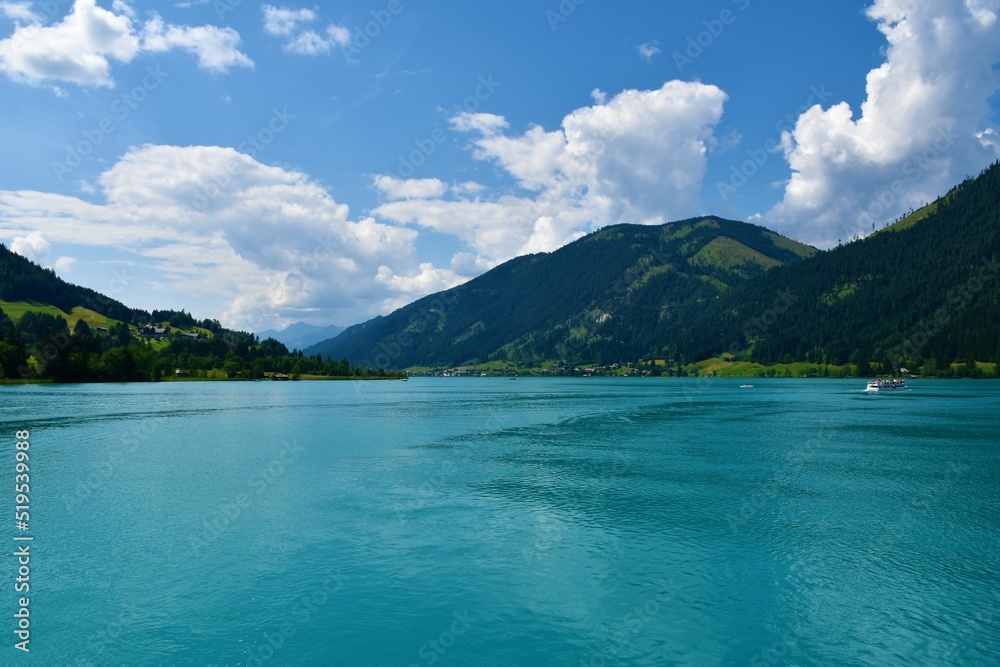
41 346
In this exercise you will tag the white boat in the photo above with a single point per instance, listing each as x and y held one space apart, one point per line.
746 386
887 384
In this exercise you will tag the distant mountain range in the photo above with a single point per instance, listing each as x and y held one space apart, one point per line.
301 335
924 291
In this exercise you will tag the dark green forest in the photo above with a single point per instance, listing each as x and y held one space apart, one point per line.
41 346
922 297
612 296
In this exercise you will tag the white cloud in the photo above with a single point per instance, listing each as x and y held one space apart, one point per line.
468 265
424 188
123 7
81 48
649 49
217 49
339 35
484 123
638 157
307 43
286 22
78 49
283 22
468 188
271 242
33 247
19 12
599 96
924 125
64 264
426 281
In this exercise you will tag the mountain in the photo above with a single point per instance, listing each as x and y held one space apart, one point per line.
23 280
923 293
615 294
54 331
301 335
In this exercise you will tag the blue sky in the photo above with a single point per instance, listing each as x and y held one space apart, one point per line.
269 163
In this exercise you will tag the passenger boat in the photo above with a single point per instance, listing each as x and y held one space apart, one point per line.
887 384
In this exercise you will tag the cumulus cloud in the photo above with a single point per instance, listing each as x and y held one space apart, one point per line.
267 243
272 243
286 22
217 49
81 48
33 247
638 157
925 124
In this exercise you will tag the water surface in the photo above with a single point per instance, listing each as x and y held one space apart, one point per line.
489 522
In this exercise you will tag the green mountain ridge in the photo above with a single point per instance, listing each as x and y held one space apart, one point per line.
611 295
923 292
926 289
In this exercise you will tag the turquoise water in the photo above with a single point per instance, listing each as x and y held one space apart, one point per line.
488 522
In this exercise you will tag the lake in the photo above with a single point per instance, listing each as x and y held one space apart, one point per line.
577 522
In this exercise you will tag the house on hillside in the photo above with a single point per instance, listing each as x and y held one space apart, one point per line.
150 331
